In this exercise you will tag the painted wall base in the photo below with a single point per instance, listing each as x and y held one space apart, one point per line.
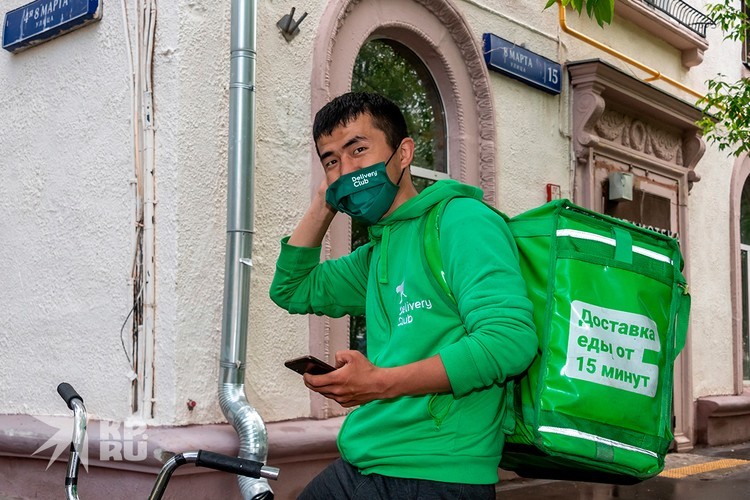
23 478
300 448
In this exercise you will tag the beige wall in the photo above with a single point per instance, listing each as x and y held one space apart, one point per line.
68 207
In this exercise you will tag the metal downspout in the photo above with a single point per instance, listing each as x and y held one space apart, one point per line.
232 399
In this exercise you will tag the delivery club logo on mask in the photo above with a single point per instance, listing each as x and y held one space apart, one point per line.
366 194
362 179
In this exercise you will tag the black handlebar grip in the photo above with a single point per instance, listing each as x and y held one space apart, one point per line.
68 394
225 463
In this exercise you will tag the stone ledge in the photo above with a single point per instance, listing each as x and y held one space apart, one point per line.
289 441
723 419
301 448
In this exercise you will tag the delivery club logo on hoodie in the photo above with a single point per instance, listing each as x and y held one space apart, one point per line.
406 308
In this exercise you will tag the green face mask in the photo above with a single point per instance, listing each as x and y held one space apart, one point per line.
366 194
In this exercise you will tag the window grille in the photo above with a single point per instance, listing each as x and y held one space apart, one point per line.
684 14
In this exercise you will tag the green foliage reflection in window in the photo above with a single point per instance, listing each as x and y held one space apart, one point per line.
745 213
391 69
744 250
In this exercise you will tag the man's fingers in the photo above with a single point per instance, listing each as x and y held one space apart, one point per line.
346 357
312 381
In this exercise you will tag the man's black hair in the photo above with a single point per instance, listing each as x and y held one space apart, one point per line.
386 116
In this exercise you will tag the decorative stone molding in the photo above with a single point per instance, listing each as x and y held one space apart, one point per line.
633 133
613 111
691 45
641 127
588 107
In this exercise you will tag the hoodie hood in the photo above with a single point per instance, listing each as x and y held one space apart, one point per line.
414 209
428 198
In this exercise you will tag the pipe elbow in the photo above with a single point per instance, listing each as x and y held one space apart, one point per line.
252 434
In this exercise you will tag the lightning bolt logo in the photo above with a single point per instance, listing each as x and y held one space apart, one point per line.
61 440
401 290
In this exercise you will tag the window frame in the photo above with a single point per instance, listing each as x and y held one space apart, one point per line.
740 176
441 37
745 309
424 72
357 326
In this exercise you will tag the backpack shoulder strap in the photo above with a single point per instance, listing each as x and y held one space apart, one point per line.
435 263
432 243
432 247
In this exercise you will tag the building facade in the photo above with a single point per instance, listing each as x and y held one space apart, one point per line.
114 153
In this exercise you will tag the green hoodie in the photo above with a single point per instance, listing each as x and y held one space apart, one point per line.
483 338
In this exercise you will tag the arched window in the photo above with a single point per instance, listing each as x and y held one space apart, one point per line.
389 68
745 273
740 276
393 70
430 46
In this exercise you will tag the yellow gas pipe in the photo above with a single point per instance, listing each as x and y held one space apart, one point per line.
655 75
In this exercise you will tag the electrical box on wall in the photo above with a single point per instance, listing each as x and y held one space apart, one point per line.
553 192
620 186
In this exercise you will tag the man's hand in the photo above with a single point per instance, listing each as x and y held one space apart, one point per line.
357 381
314 224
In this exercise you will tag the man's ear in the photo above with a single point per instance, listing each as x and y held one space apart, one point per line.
407 152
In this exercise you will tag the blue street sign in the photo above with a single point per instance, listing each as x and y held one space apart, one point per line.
511 60
44 20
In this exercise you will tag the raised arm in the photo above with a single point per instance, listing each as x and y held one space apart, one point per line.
314 224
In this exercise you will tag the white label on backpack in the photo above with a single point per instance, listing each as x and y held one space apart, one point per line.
613 348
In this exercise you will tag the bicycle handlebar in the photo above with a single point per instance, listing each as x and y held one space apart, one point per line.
201 458
75 403
234 465
68 394
208 459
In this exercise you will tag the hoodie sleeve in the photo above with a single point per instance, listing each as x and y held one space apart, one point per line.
481 264
304 285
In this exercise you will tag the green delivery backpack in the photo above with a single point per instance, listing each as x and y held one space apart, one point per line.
611 311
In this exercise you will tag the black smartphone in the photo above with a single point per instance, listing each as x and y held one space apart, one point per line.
309 364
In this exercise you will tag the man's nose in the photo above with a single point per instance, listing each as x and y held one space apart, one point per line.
348 165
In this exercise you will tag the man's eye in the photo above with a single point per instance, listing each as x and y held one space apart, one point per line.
329 164
360 150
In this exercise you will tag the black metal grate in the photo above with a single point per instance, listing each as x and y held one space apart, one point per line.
689 17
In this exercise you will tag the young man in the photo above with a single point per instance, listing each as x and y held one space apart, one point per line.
431 389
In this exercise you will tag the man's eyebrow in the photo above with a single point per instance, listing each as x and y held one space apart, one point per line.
325 155
350 142
354 140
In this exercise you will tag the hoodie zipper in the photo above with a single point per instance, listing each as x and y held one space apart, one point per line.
381 273
381 301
